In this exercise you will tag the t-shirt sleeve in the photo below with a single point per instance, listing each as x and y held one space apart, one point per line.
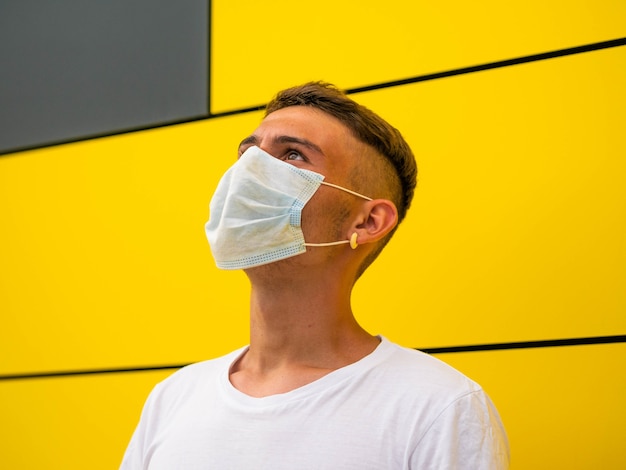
134 457
467 434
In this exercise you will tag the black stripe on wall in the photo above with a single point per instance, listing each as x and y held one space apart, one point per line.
452 349
495 65
406 81
461 71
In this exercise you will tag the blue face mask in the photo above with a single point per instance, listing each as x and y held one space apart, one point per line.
255 212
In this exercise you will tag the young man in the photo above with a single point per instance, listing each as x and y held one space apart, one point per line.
318 190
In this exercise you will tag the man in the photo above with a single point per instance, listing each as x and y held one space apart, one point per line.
318 190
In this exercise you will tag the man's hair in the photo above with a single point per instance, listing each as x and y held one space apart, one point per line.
367 127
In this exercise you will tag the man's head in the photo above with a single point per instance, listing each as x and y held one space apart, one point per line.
388 170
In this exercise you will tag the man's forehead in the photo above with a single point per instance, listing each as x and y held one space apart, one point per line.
304 122
303 118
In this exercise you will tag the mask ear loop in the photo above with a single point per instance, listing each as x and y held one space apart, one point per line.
353 243
336 186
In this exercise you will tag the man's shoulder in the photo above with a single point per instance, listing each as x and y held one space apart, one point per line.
191 377
421 373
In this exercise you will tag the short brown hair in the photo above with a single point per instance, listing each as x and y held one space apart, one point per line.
365 125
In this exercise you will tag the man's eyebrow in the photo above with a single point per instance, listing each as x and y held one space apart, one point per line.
287 139
283 139
250 140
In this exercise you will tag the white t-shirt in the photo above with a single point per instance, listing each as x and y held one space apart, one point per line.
396 408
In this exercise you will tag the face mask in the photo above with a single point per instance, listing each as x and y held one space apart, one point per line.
256 211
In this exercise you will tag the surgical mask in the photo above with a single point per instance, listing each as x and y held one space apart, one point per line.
255 212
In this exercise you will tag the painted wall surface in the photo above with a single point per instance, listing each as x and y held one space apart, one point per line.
517 232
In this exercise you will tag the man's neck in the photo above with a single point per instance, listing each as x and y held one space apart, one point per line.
299 332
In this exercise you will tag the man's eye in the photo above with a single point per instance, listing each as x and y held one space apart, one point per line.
293 155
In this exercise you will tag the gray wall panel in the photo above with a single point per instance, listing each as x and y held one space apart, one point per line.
71 69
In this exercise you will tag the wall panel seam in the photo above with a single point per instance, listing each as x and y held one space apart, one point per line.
390 84
439 350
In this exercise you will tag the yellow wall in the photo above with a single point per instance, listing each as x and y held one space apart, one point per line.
517 233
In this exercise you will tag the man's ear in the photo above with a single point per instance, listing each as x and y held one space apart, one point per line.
378 218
